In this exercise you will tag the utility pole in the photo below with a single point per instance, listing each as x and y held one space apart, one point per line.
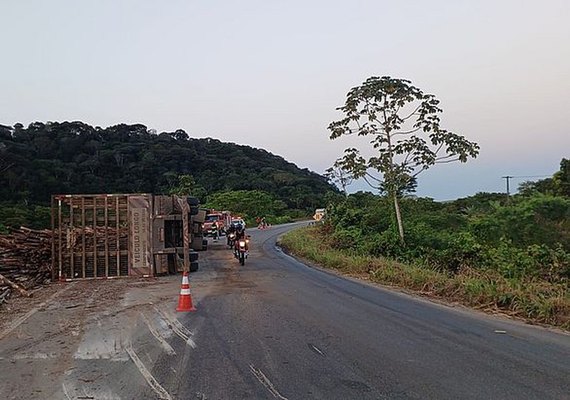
508 178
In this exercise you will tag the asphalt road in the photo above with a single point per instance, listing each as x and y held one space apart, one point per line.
277 329
272 329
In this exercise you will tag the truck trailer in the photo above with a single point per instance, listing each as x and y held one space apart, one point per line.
117 235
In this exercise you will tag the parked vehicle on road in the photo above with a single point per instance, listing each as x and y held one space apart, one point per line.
222 220
238 221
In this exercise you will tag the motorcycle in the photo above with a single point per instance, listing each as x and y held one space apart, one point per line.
241 249
231 239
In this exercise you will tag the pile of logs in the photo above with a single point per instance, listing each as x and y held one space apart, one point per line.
25 261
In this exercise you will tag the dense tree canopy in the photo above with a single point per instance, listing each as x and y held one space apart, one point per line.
73 157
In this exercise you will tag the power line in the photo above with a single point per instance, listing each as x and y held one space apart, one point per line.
509 177
529 176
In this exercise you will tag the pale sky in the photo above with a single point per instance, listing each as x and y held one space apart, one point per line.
270 74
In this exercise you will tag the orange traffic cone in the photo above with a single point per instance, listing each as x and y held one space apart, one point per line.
185 298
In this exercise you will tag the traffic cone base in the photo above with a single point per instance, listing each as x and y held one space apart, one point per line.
185 298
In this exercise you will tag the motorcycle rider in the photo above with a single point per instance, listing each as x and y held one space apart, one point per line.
231 230
240 235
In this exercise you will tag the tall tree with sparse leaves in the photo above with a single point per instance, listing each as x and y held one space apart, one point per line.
404 125
339 175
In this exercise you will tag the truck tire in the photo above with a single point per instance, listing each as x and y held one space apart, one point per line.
194 266
193 256
192 201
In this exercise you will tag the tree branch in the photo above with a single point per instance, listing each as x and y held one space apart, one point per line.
438 149
371 185
407 132
373 177
445 157
446 161
413 112
419 172
7 167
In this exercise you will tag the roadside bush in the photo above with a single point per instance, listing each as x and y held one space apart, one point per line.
529 238
534 261
386 244
347 238
16 215
456 251
536 220
273 220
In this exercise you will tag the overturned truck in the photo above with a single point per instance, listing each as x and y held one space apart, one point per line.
119 235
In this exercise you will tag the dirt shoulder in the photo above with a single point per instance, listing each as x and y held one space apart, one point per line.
45 339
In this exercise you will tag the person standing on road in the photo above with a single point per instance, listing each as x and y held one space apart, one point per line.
216 230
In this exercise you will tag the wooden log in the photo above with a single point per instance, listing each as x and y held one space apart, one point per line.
5 293
19 288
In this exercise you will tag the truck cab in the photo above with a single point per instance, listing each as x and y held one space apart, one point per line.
221 218
319 214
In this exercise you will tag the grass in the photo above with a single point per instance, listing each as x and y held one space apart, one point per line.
535 301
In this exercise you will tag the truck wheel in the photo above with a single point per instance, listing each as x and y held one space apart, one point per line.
194 266
193 201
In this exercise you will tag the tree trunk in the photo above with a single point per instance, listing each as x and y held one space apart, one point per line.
399 218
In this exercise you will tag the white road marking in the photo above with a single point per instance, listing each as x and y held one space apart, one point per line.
99 393
318 350
41 356
65 391
178 328
153 383
165 345
266 382
101 345
178 324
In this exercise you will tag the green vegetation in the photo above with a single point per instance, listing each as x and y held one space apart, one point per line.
533 300
407 138
485 250
250 204
73 157
558 185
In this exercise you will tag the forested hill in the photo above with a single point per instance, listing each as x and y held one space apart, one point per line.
73 157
